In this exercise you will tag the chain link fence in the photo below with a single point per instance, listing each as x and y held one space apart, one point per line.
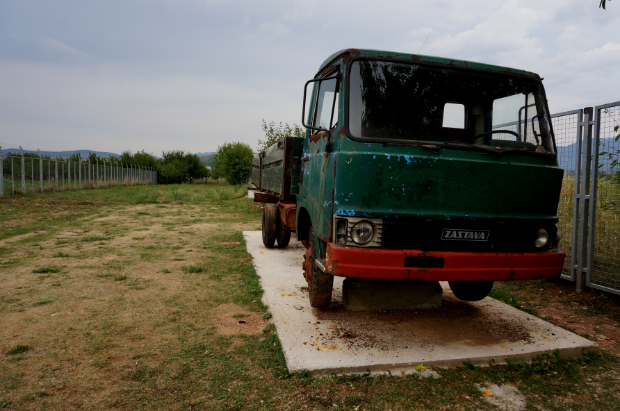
32 173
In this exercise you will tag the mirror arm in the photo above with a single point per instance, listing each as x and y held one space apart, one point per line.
536 135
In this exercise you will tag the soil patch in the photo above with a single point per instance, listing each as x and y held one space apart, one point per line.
231 319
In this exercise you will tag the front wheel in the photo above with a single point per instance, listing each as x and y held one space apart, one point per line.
320 284
471 290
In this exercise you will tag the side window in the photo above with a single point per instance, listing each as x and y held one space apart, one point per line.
454 116
327 97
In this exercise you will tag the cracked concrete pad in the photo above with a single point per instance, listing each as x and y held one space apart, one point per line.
339 341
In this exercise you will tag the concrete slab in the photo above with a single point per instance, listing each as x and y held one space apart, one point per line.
340 341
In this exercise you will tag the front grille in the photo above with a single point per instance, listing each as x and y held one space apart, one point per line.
515 236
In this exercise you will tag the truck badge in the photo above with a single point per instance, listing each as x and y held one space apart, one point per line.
465 235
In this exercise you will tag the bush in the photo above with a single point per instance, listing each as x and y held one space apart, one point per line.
233 161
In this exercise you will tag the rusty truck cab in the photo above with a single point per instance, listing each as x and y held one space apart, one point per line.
409 173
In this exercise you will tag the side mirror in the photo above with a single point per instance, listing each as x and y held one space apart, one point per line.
303 111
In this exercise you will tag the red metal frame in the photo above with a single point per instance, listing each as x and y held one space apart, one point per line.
265 198
381 264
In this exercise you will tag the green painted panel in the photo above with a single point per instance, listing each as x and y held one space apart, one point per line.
407 181
273 162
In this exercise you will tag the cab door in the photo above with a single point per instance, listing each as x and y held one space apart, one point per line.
318 146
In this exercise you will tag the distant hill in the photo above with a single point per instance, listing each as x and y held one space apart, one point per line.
206 160
566 155
205 154
83 153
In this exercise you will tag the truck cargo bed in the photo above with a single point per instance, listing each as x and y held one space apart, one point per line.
276 170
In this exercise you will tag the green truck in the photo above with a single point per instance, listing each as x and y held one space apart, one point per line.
412 169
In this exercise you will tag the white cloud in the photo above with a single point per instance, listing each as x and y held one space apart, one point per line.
191 74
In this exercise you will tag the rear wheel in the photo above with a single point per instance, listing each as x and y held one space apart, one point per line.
471 290
320 284
284 235
270 224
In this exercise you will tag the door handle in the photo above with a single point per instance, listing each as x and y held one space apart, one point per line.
305 158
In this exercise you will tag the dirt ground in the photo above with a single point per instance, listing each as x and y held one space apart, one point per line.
96 301
592 314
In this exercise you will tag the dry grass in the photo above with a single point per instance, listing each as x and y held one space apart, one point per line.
145 298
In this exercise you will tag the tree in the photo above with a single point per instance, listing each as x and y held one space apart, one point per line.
274 133
195 168
177 167
233 161
140 158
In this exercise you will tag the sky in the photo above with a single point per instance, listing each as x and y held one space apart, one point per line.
191 75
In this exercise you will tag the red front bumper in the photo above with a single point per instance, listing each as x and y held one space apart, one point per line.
381 264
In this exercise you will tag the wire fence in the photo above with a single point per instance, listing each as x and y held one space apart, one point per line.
605 218
566 128
30 173
588 149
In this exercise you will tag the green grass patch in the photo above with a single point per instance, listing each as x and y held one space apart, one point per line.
192 269
509 299
93 238
42 302
19 349
46 270
119 277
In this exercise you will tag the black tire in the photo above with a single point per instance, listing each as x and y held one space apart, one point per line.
284 235
321 283
471 290
270 224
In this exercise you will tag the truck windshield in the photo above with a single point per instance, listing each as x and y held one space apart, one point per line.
402 101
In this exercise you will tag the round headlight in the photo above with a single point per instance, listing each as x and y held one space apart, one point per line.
543 238
362 232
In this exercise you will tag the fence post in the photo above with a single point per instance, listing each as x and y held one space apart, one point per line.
23 171
97 176
583 266
80 173
1 174
69 172
56 171
40 171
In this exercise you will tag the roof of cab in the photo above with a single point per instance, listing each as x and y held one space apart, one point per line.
419 58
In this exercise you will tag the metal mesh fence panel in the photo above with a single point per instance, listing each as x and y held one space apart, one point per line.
605 257
565 128
36 173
